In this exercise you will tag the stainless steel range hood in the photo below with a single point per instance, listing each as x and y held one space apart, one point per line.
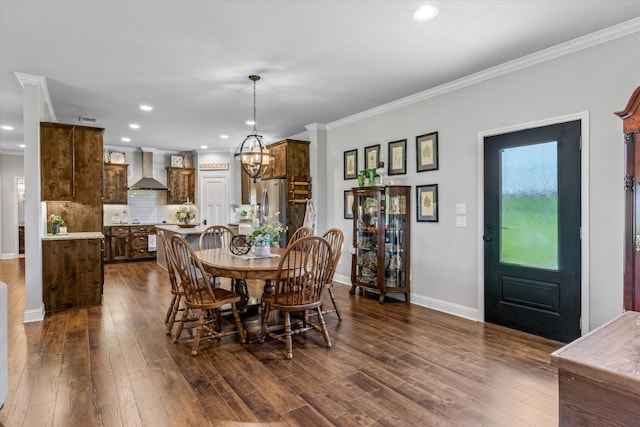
148 182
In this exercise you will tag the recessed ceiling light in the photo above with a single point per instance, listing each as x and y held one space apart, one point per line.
125 139
204 147
425 13
134 126
7 127
22 145
224 136
144 107
250 122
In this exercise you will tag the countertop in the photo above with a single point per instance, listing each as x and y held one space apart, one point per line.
198 229
74 236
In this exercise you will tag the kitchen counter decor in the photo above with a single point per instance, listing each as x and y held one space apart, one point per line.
186 215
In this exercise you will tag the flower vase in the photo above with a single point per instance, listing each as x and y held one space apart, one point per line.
361 179
372 176
262 251
55 228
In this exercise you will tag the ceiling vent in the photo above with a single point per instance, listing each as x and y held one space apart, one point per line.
148 182
87 119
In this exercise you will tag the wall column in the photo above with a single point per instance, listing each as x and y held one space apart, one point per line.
318 169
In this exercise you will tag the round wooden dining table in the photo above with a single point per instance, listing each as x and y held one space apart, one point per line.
222 263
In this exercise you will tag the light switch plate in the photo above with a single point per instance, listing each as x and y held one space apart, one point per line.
461 221
461 208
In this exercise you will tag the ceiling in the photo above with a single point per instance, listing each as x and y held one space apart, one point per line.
320 60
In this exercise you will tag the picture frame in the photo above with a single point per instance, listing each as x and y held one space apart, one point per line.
348 204
372 156
427 152
427 203
397 157
351 164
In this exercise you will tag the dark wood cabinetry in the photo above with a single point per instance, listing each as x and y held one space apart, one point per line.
381 238
114 184
181 184
73 272
290 158
71 174
631 128
128 242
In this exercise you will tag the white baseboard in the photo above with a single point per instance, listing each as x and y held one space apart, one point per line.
34 315
433 303
8 255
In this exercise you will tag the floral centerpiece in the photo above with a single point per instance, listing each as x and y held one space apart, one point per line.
56 221
186 214
266 235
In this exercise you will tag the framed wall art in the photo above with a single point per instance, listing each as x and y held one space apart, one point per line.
397 157
372 156
427 152
427 203
348 204
351 164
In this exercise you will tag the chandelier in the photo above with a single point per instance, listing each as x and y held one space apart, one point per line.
253 154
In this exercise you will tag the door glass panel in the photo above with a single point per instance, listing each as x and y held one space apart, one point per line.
529 206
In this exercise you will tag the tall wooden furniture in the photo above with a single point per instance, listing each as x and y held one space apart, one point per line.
290 158
381 238
182 185
631 127
114 184
303 271
71 174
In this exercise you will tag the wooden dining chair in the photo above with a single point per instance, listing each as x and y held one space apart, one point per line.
335 238
302 274
300 233
201 299
215 237
177 293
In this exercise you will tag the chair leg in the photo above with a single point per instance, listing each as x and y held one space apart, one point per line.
265 321
185 314
199 327
174 312
335 305
236 319
170 309
323 326
288 335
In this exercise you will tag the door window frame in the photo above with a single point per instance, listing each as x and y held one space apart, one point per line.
584 206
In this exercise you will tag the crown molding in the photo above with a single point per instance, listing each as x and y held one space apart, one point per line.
566 48
41 82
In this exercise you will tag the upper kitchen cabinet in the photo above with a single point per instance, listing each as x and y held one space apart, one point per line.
290 158
69 155
114 185
181 184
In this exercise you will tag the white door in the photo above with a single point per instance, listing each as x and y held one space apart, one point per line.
214 194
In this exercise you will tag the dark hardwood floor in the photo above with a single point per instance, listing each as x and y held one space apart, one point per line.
390 365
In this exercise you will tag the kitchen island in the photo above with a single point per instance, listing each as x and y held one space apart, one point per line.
191 234
72 271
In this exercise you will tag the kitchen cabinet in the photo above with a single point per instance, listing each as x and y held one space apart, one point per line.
139 235
72 273
114 184
129 242
181 184
381 240
71 174
290 158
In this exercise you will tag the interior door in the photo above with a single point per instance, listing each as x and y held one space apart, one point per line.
214 190
532 230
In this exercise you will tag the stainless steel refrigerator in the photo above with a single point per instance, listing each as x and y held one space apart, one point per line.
271 198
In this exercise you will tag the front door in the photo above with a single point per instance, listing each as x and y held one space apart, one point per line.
532 230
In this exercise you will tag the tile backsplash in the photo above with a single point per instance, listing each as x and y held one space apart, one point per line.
145 206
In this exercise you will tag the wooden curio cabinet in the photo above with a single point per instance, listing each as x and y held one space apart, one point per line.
631 128
181 184
114 184
381 238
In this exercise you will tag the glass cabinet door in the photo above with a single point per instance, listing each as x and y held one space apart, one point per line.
367 219
395 239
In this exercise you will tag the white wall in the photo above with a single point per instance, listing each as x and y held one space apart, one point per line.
444 259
